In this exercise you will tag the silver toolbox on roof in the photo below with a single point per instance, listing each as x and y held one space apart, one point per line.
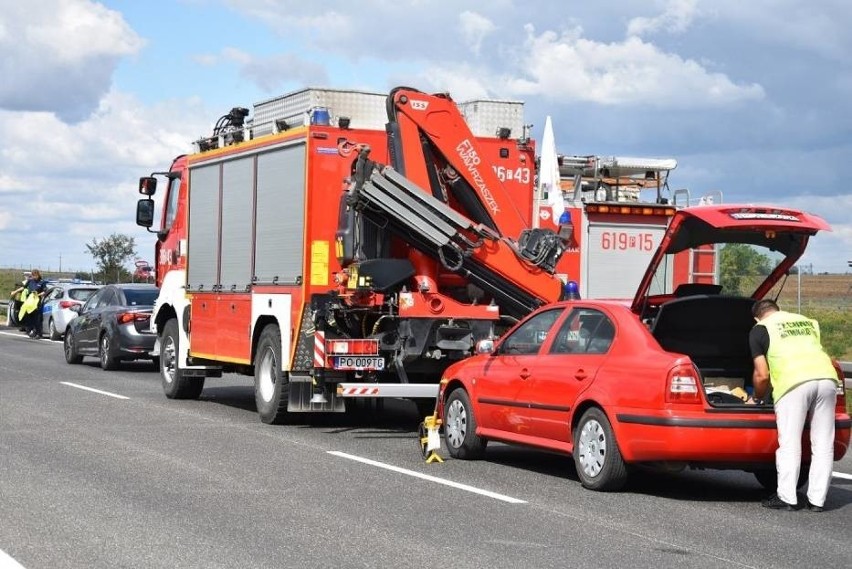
364 110
485 117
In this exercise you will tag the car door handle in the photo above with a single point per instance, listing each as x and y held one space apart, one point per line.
580 375
525 373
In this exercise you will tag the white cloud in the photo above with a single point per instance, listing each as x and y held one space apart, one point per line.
676 18
568 66
818 27
60 55
68 184
5 220
475 28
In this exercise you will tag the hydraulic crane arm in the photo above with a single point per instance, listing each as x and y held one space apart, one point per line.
421 127
461 245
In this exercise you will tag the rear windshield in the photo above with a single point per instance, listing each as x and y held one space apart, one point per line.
141 297
81 294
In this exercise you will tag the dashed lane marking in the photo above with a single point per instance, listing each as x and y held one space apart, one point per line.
93 390
429 478
6 561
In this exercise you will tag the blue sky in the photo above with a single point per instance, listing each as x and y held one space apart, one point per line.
752 98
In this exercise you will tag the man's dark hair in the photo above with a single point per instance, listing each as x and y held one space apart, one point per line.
761 307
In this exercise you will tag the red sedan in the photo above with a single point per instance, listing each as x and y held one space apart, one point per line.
659 382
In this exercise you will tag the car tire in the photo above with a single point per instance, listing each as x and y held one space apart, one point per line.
768 478
271 385
596 454
175 384
70 349
52 331
460 427
12 311
108 361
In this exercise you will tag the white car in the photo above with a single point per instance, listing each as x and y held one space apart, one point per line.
56 310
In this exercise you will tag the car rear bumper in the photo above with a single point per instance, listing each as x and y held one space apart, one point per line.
133 344
704 437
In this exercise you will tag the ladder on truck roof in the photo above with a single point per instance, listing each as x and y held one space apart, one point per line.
681 198
389 200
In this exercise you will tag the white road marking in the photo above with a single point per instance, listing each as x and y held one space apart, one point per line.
23 335
92 389
842 475
6 561
435 479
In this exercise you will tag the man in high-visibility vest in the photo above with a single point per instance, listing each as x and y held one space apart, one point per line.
788 355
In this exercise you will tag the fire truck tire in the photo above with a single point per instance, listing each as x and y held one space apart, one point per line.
460 427
271 387
175 384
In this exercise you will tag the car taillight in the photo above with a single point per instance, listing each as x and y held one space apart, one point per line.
127 317
67 303
683 385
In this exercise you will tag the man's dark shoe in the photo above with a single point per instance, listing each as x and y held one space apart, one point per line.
813 508
776 503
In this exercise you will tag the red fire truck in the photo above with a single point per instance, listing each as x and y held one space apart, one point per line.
332 256
616 211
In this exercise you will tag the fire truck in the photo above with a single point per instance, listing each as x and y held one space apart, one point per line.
615 211
344 244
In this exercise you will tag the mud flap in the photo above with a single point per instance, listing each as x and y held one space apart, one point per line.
301 391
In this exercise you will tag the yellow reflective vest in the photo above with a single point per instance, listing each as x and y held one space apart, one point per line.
795 353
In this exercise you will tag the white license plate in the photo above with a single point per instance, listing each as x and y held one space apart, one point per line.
359 362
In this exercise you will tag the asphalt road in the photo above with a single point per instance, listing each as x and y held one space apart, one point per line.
91 480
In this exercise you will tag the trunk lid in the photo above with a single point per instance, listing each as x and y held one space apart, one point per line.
781 230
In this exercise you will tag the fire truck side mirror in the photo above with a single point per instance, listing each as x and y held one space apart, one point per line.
145 212
148 186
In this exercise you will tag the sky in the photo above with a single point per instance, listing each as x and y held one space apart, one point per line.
751 97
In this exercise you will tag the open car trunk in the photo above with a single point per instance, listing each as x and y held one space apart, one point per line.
713 331
704 321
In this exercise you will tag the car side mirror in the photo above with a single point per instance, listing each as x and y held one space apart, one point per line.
485 347
145 212
75 308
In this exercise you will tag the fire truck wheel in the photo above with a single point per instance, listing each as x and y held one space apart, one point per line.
271 388
460 427
175 384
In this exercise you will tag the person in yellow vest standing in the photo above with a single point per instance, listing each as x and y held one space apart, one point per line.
789 357
30 314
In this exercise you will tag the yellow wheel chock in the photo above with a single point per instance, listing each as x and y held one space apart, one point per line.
430 439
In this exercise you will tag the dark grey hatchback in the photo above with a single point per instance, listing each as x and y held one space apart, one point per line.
113 325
